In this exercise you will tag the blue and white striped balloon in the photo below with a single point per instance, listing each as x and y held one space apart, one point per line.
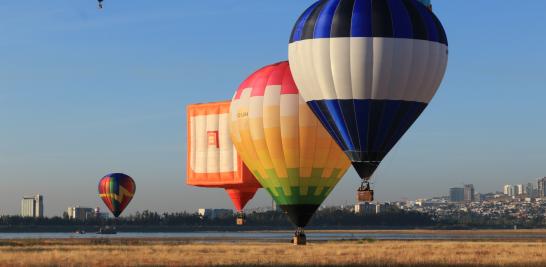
368 69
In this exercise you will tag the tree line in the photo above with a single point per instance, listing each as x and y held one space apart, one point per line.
324 218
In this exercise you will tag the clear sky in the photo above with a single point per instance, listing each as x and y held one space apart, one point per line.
85 92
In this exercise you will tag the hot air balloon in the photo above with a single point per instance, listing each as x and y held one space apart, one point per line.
368 69
284 145
212 160
117 190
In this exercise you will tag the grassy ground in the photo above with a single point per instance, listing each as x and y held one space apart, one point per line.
171 252
506 232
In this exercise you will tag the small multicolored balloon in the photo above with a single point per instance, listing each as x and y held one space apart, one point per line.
117 190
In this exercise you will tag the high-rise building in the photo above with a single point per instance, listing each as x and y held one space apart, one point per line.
80 213
39 206
542 187
468 193
456 194
27 207
32 206
530 190
508 190
518 190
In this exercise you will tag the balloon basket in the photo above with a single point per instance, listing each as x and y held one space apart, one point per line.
241 220
299 239
364 195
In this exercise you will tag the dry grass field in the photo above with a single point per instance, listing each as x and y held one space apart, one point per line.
505 232
133 252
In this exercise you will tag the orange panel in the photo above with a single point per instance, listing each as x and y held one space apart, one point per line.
240 178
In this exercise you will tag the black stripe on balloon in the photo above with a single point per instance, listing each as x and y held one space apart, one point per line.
419 26
381 19
341 23
397 121
375 118
402 127
441 30
414 111
348 111
309 28
388 118
362 109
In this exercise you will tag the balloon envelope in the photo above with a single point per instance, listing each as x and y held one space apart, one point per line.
117 190
283 143
368 69
212 160
241 196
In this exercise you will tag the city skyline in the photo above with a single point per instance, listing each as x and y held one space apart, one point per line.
86 93
454 194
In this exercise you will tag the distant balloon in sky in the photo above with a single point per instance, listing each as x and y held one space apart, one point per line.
368 69
283 143
212 160
117 190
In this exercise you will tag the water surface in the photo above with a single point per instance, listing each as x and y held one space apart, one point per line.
278 235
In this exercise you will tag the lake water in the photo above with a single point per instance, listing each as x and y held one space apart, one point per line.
277 235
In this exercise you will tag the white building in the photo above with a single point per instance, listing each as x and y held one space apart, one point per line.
514 190
32 206
509 190
80 213
519 189
27 207
365 208
541 186
215 213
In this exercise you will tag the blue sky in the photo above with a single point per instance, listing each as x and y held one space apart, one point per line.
85 92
